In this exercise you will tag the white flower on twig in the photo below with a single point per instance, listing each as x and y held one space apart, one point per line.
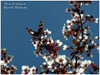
65 47
59 42
47 31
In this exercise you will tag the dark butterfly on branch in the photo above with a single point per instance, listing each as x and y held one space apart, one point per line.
37 33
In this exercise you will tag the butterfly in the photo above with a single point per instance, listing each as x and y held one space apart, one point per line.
37 33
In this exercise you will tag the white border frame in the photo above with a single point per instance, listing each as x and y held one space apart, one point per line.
49 0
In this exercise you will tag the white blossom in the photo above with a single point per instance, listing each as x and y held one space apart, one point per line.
68 26
25 67
59 42
74 19
91 55
48 42
81 57
65 47
5 64
47 58
80 36
86 47
81 70
82 15
88 15
70 72
85 31
96 37
61 59
32 68
23 72
47 31
85 37
64 28
76 15
96 20
2 62
44 63
43 37
73 61
92 42
35 45
88 62
51 40
68 21
69 29
67 10
50 63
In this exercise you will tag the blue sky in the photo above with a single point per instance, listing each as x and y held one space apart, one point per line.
17 41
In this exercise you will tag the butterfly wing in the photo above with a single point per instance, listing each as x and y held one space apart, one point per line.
40 28
30 31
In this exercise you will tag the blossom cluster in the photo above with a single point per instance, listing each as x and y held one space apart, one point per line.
54 64
42 43
47 48
78 28
83 43
5 60
29 70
